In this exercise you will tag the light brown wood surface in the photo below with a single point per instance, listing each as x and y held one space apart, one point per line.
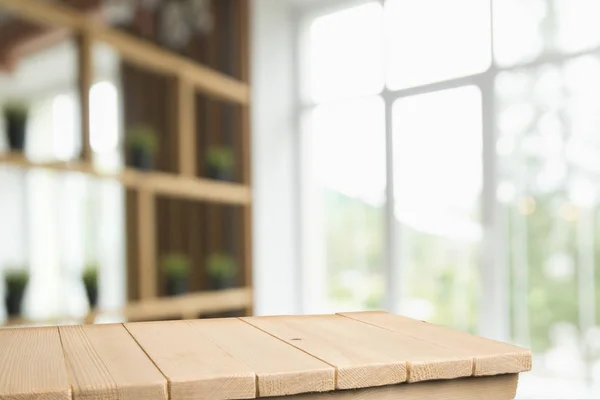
365 355
242 358
196 367
32 365
501 387
104 362
280 368
489 357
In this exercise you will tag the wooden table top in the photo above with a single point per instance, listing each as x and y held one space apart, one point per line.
242 358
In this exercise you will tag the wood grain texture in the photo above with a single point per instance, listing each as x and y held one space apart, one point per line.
104 362
501 387
196 367
281 369
32 365
489 357
366 355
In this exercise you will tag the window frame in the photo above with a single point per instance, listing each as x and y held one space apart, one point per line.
494 317
494 314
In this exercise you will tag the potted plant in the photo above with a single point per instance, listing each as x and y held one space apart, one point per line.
220 163
90 281
176 267
222 270
15 115
143 142
16 282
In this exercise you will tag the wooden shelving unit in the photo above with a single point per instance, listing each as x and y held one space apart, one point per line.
189 80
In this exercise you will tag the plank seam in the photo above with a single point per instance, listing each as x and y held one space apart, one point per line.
335 376
152 361
473 360
111 382
62 348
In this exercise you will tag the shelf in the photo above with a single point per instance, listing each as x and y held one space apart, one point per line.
187 306
155 182
133 49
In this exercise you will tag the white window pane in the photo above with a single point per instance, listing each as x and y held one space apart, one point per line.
438 179
63 126
577 24
518 30
346 53
104 122
348 146
434 40
346 206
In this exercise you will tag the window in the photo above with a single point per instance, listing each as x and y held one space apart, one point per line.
450 171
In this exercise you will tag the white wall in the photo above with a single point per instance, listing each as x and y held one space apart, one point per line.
276 286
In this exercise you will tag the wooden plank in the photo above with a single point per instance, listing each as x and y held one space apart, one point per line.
104 362
195 366
85 78
146 220
186 126
490 357
32 365
281 369
501 387
365 355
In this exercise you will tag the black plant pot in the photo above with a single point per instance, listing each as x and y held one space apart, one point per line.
141 159
177 286
92 295
14 298
219 174
16 134
221 283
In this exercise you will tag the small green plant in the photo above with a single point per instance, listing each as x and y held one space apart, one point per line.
221 266
143 137
220 158
90 275
176 265
16 278
16 112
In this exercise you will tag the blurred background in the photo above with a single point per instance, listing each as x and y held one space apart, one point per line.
435 158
